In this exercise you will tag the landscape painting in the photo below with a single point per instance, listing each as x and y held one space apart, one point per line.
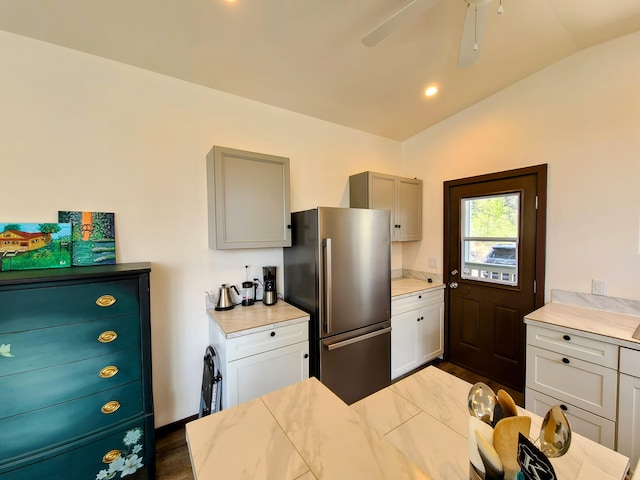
93 236
27 246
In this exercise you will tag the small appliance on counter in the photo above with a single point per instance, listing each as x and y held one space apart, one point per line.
248 293
270 295
225 300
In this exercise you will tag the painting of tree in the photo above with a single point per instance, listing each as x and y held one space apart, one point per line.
93 237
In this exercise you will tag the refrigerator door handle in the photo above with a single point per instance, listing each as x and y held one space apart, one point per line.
326 243
344 343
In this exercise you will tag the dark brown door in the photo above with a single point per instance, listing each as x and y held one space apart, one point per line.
494 269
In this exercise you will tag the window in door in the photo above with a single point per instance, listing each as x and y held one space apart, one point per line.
490 238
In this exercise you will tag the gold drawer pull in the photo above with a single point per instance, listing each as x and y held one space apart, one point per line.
105 300
108 372
110 407
107 337
111 456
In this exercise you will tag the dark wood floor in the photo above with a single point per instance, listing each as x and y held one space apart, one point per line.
172 455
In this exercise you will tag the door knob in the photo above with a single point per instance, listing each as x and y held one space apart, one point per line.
454 272
453 284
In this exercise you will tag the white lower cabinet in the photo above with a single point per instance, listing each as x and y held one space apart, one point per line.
629 405
578 373
417 330
261 360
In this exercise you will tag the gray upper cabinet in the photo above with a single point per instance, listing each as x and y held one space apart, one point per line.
248 196
402 196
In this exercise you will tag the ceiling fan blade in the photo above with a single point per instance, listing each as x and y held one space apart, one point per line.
472 34
383 30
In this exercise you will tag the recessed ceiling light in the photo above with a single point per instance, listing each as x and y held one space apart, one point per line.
431 91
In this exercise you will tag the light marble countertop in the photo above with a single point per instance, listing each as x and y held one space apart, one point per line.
413 429
238 320
425 415
406 286
594 323
299 432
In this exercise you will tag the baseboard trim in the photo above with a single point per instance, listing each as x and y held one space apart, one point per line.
172 427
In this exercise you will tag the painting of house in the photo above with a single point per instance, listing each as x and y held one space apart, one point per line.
34 245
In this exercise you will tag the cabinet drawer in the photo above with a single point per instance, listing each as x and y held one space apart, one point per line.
35 349
41 429
573 345
574 381
250 377
31 308
415 301
263 341
86 459
630 362
49 386
594 427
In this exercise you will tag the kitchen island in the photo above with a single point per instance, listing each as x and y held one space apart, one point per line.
413 429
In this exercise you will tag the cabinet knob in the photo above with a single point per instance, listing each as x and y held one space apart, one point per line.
565 360
419 296
289 227
273 334
107 336
306 355
108 372
421 318
564 407
110 407
111 456
566 337
105 300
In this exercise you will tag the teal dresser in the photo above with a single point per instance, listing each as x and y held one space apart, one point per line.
75 374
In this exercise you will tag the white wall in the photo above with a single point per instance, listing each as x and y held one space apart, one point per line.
580 116
78 132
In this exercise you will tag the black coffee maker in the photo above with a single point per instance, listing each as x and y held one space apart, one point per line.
270 294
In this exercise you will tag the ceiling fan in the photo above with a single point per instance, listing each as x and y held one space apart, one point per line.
475 21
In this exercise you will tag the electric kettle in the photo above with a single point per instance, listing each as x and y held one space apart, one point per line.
225 297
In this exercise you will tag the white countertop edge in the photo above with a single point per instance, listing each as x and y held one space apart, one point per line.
615 328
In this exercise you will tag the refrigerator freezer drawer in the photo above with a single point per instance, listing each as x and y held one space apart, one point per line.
357 364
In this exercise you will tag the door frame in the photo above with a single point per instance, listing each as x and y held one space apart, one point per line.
541 234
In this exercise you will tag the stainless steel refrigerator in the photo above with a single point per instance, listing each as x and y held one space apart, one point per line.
338 269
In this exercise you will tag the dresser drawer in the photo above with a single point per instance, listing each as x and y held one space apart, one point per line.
35 349
415 301
263 341
32 308
594 427
574 345
49 386
583 384
85 460
42 429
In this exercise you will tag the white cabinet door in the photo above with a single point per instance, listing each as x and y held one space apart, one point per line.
235 177
401 196
250 377
587 424
586 385
417 335
405 342
431 331
629 418
409 209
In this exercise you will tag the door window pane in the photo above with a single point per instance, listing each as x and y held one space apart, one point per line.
490 238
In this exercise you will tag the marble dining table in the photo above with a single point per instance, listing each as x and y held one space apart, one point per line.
414 429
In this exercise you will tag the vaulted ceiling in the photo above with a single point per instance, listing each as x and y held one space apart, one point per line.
307 55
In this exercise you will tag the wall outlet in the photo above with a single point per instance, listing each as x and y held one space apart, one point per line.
433 262
598 287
